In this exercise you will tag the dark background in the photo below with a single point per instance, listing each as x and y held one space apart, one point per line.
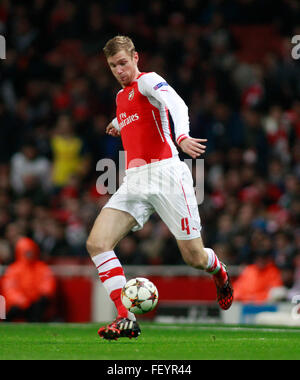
231 63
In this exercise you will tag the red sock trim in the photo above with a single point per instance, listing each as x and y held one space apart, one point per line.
118 271
115 296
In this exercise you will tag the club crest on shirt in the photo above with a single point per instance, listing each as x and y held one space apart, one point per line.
131 95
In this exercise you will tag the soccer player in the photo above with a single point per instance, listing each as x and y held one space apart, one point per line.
156 180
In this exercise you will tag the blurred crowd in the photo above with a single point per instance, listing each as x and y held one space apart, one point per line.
229 60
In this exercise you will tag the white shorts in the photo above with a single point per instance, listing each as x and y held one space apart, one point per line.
165 187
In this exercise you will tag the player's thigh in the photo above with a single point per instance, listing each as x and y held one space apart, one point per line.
176 204
109 228
193 252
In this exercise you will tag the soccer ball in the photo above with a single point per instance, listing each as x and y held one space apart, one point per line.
139 295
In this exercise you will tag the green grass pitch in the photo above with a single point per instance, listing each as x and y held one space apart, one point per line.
157 342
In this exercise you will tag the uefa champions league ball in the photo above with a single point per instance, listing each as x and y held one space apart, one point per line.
139 295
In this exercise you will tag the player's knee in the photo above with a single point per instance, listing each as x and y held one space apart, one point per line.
90 246
94 247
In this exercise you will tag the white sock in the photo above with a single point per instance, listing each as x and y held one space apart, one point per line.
112 277
110 270
213 263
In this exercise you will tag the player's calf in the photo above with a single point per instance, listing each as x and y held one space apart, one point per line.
195 255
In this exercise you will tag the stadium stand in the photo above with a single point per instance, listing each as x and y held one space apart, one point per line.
231 62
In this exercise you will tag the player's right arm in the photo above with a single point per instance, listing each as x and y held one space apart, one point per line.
113 128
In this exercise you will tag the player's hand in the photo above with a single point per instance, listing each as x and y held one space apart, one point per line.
193 147
112 131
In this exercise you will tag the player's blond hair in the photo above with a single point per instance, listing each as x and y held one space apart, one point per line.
118 43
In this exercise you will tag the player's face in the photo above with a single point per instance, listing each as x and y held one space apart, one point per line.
124 67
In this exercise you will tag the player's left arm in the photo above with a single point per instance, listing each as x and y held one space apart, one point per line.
155 86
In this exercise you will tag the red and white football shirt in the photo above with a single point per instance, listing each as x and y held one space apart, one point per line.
142 119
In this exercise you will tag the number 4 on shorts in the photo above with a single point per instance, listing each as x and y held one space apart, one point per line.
185 225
